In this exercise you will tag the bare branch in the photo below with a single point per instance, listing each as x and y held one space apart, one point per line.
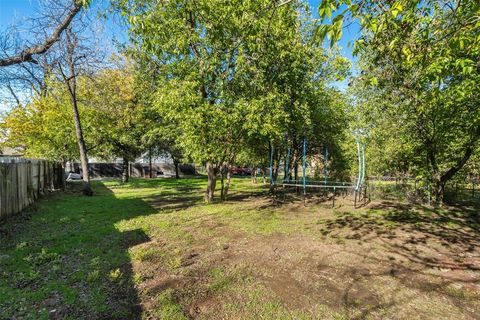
27 54
12 92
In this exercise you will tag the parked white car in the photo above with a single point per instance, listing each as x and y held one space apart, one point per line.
74 176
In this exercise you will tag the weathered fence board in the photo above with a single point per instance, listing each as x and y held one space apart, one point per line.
23 180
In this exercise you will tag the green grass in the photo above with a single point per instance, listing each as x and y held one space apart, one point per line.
63 253
70 255
168 307
76 257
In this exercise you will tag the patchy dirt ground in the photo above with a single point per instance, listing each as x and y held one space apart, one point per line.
250 259
151 249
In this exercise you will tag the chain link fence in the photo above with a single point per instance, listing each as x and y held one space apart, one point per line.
409 189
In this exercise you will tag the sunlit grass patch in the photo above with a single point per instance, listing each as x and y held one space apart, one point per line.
154 248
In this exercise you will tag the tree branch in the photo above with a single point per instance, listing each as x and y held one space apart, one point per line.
466 156
12 92
27 54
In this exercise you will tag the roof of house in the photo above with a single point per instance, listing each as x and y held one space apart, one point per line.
7 151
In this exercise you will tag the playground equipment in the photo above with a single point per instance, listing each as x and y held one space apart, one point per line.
355 187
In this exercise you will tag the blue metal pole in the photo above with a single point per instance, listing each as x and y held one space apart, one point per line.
304 165
363 163
359 165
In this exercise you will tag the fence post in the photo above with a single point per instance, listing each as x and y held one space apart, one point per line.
355 201
2 189
334 191
15 185
369 193
364 194
38 177
29 182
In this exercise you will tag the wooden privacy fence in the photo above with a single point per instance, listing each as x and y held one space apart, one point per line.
22 181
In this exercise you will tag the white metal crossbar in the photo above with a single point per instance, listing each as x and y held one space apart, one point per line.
318 186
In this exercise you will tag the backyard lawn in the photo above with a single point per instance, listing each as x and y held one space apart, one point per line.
151 249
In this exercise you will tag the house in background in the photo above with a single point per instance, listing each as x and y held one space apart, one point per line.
164 157
10 152
144 158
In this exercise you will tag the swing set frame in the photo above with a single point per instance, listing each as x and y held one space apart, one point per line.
357 187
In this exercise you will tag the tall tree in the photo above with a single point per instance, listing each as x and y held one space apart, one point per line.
198 45
68 66
57 27
227 74
43 128
111 94
422 59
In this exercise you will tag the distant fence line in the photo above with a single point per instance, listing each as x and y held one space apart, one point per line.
138 170
23 180
409 188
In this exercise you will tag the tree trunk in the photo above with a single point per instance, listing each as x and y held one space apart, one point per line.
227 182
295 172
285 176
212 180
222 184
150 174
87 190
177 175
71 83
125 171
276 168
294 163
440 180
437 187
274 174
263 175
254 175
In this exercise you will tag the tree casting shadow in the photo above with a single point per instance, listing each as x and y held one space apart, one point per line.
410 231
66 258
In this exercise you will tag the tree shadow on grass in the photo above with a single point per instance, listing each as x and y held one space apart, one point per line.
418 249
406 283
410 231
182 184
424 248
314 197
174 203
183 194
65 258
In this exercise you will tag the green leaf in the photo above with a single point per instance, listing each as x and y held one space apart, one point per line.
86 3
396 9
328 12
321 32
393 43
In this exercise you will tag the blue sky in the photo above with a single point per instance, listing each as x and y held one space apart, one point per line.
15 11
349 33
11 10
